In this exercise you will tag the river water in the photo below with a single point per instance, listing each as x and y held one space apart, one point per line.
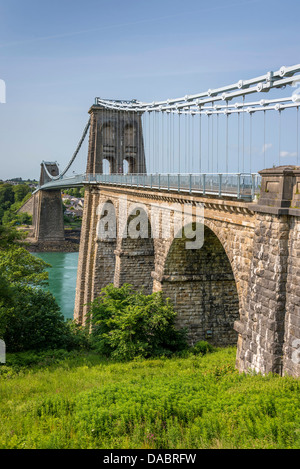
62 278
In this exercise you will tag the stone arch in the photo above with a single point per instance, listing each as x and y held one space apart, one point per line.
219 232
135 252
205 279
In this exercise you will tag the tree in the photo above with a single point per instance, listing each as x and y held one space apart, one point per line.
20 192
6 194
33 321
10 236
22 268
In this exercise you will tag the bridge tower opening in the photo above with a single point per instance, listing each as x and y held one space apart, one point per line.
125 167
106 166
201 285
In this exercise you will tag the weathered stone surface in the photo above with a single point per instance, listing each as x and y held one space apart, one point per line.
115 136
206 285
47 212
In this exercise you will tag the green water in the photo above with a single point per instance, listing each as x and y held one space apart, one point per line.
62 278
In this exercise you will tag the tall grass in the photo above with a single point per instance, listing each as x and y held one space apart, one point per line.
195 402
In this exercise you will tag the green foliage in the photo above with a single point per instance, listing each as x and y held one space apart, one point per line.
34 321
13 217
75 192
7 195
30 318
77 337
12 197
126 324
21 192
9 236
19 266
202 347
80 401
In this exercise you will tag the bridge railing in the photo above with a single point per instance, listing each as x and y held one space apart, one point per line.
238 185
242 186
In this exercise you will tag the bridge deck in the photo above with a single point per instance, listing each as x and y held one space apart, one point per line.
240 186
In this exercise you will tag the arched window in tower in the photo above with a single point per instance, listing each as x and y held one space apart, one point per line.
130 140
106 167
108 135
125 167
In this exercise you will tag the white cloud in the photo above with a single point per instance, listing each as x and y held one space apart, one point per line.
266 147
288 154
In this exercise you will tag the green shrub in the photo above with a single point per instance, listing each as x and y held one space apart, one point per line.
34 322
202 347
126 324
77 336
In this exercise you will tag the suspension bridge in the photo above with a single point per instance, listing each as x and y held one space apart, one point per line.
234 150
204 143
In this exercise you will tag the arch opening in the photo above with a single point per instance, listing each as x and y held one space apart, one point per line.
201 285
106 164
126 167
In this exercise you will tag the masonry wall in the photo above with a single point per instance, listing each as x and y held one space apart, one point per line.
291 348
85 270
263 325
28 206
48 216
205 285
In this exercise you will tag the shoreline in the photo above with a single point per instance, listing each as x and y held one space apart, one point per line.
71 243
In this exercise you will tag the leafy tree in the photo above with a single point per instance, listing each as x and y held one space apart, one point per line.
20 192
22 268
12 217
33 321
126 324
6 194
10 236
75 191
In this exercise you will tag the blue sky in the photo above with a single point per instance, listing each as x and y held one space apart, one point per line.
57 56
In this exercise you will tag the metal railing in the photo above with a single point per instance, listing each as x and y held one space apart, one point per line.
237 185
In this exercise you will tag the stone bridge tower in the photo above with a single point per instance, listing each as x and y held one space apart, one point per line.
115 136
47 220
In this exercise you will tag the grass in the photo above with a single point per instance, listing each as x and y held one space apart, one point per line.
72 224
82 401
